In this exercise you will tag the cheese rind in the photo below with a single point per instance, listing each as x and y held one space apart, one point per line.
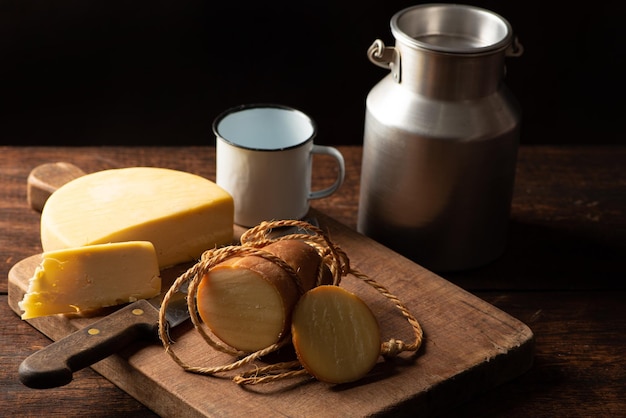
86 278
182 214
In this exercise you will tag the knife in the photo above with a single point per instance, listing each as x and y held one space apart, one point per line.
55 364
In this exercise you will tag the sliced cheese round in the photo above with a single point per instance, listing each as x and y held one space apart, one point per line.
182 214
335 334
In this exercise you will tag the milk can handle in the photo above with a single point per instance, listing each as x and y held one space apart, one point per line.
385 57
516 49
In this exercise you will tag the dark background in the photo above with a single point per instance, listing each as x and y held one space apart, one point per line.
77 72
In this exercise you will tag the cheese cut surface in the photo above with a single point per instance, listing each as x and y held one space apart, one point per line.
242 308
335 334
180 213
86 278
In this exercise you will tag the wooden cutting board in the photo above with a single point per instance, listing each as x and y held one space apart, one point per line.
470 346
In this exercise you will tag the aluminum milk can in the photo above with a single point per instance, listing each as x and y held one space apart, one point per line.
441 137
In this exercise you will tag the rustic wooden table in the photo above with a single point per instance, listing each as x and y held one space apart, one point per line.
563 274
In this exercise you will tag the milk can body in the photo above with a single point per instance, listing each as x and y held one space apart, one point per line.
441 138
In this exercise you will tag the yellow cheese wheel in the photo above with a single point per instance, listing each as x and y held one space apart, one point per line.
182 214
86 278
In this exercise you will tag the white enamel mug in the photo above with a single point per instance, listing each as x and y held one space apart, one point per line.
265 161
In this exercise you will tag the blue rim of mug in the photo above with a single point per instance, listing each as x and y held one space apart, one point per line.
242 107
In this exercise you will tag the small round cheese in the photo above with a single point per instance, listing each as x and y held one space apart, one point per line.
335 334
247 301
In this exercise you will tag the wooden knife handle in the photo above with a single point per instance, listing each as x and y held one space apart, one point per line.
54 365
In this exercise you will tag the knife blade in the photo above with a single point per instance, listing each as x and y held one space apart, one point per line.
54 365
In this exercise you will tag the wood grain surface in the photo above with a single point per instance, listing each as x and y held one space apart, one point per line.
562 274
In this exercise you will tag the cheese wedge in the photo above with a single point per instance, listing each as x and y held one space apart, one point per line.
86 278
180 213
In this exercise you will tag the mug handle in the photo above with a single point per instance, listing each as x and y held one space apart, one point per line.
333 152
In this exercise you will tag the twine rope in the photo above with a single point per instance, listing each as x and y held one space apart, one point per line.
252 243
